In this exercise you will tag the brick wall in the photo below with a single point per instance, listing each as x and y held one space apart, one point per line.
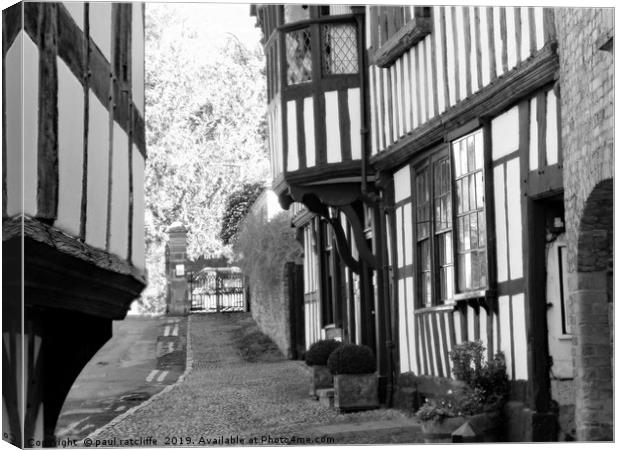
585 38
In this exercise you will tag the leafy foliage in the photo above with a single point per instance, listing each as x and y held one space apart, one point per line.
237 206
205 133
261 249
319 352
485 389
352 359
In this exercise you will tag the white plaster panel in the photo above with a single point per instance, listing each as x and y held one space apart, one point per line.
500 223
451 58
471 318
31 124
462 68
434 346
533 135
430 83
291 148
485 60
407 90
497 36
119 213
505 133
473 54
440 338
399 237
540 34
482 313
98 156
413 81
402 184
520 336
402 326
399 96
76 10
552 129
355 114
137 56
525 33
392 74
389 137
515 221
70 149
411 323
422 80
439 37
380 120
14 125
373 113
511 35
504 331
137 244
100 17
332 128
456 316
279 153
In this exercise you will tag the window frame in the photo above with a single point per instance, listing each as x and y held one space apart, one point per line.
427 161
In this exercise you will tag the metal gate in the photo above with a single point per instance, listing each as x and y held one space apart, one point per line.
217 289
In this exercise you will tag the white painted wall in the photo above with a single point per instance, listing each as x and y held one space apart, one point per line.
119 213
505 133
100 17
70 149
500 223
520 337
137 245
137 56
13 92
98 155
309 132
76 9
291 123
515 221
504 328
332 128
402 184
355 121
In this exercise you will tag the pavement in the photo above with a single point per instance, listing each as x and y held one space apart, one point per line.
143 356
224 400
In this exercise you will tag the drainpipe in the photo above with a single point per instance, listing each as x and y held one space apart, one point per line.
359 12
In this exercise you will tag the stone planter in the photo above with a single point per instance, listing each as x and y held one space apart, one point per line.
356 392
437 431
321 379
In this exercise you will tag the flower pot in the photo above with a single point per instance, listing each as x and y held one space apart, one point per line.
356 392
441 430
321 379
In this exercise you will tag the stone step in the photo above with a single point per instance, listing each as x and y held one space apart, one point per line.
326 397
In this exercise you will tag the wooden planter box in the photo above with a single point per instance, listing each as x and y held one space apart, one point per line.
321 379
356 392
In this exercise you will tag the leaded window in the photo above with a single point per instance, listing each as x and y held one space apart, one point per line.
299 56
339 49
471 245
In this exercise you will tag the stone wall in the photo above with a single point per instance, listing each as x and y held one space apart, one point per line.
585 39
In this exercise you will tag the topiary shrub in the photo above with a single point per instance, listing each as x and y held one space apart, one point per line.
352 359
318 352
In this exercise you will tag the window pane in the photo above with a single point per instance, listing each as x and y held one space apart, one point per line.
471 161
475 270
447 238
463 157
339 49
473 230
457 159
465 194
479 150
483 268
449 211
466 235
479 191
472 192
461 239
450 282
299 56
482 227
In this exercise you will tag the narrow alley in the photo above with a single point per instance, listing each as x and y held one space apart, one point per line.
224 399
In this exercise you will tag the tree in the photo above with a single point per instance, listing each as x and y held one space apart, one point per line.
205 133
237 207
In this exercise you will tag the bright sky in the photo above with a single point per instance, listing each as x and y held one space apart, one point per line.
216 20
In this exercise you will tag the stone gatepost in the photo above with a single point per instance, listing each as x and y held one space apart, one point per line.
177 302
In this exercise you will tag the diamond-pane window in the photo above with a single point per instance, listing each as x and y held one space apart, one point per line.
298 56
339 49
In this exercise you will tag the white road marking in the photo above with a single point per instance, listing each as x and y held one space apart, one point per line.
167 330
69 428
90 425
120 408
151 375
162 376
175 332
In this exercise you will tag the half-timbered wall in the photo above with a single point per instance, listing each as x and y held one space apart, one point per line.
312 311
84 167
427 334
467 49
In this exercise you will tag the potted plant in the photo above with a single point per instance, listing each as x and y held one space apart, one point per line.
355 382
477 403
316 357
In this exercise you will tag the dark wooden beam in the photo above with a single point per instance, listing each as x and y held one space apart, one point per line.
401 41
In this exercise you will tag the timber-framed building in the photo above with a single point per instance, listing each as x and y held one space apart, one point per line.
449 173
73 154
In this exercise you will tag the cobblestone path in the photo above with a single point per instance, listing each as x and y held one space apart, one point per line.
224 396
